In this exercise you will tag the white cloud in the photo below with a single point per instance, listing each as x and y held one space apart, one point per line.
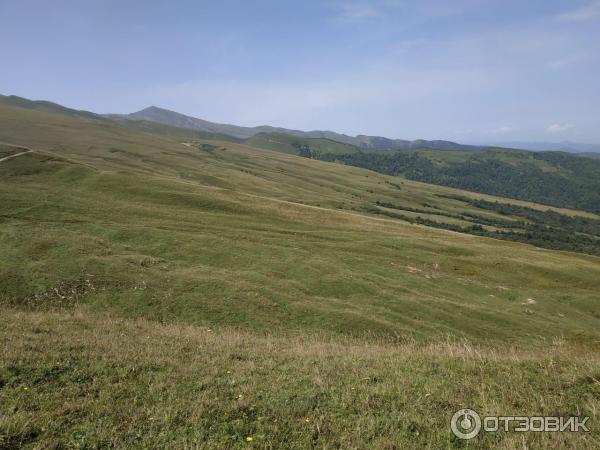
358 12
567 61
501 130
587 12
559 127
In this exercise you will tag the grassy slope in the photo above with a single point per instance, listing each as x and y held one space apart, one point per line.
102 219
292 144
7 150
81 381
513 157
147 126
188 224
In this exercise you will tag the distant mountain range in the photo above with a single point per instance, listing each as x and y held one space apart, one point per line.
175 119
169 118
172 118
565 146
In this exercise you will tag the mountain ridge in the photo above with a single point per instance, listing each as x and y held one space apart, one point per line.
365 142
173 118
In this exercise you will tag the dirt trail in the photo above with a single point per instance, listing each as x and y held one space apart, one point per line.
15 155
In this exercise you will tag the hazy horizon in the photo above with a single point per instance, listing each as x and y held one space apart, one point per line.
472 71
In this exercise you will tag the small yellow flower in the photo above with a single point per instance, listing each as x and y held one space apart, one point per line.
240 396
25 388
307 420
229 371
249 438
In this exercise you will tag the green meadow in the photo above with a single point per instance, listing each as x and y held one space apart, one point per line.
160 290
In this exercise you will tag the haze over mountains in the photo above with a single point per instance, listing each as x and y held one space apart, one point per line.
172 118
564 146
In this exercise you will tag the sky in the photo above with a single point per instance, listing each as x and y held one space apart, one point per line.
464 70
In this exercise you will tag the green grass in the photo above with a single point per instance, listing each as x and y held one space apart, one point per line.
81 381
121 248
296 145
216 256
8 150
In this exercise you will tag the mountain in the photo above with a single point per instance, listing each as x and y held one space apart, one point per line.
590 155
175 119
42 105
565 146
172 118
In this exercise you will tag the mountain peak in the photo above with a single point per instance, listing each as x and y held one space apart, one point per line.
153 109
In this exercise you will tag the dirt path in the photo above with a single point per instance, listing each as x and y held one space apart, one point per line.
14 156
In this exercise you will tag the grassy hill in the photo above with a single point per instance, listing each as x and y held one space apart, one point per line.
202 293
295 145
45 106
552 178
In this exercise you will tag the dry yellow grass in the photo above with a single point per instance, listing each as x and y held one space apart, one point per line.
77 380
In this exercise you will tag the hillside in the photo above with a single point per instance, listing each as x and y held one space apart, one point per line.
162 193
227 186
295 145
551 178
174 119
198 292
154 385
565 146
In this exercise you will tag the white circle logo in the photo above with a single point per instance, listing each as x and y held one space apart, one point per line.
465 424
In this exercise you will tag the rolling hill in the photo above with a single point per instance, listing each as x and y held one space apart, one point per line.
295 145
552 178
231 189
181 291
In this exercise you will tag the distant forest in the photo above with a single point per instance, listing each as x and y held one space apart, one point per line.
546 229
573 181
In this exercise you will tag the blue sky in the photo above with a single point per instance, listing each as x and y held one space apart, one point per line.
466 70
